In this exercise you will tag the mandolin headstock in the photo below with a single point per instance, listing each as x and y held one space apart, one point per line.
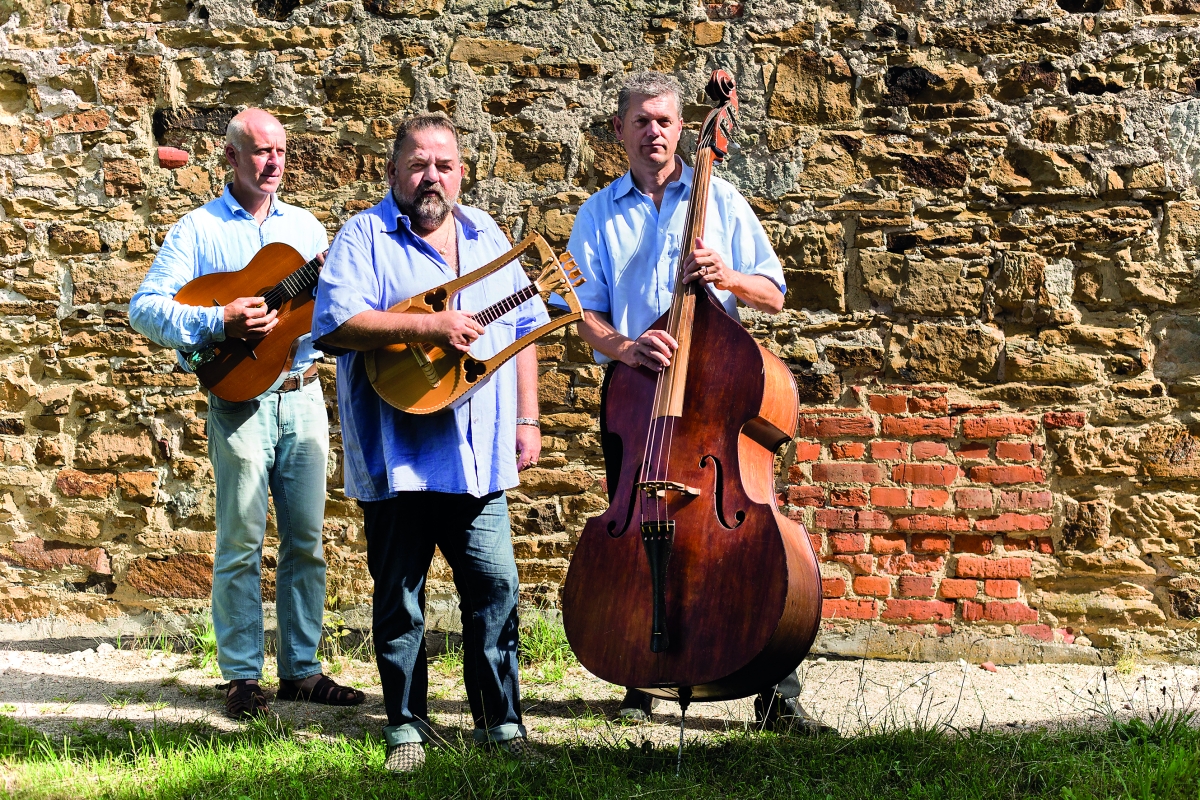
718 125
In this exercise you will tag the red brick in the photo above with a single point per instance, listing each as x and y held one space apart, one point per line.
834 519
922 565
919 610
972 611
849 609
914 586
974 451
1007 475
1003 590
886 544
833 587
833 426
923 451
860 564
926 474
853 497
847 542
888 404
1014 451
913 427
974 567
973 498
806 495
1025 499
932 522
997 427
929 498
1038 544
930 544
1042 632
1063 419
1014 522
172 157
808 451
889 497
1009 612
872 586
815 540
971 543
956 588
889 451
847 473
927 405
848 450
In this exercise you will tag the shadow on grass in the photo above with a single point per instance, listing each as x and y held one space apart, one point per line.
1135 759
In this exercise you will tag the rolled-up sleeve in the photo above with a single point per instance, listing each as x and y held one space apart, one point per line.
347 286
153 311
751 249
587 248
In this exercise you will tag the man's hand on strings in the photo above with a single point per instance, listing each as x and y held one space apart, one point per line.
454 328
249 318
706 265
653 350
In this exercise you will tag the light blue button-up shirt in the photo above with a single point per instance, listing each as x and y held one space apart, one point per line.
220 236
376 261
628 250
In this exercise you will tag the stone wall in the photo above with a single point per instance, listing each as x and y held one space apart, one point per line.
986 210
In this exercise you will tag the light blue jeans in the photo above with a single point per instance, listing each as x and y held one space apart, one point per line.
278 442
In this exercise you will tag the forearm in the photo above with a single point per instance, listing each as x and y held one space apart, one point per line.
597 330
759 292
369 330
527 384
175 325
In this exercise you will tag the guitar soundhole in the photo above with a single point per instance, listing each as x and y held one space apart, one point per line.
436 299
473 370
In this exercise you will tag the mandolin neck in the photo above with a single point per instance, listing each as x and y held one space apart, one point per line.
497 310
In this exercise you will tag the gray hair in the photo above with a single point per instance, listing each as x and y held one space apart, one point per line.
649 84
423 122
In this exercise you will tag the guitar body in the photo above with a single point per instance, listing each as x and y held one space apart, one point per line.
242 370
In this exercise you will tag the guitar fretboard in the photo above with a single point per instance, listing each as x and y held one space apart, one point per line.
497 310
294 285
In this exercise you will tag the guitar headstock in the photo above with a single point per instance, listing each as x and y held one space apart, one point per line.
563 276
719 124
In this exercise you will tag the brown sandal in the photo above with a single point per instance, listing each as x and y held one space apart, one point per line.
244 700
326 692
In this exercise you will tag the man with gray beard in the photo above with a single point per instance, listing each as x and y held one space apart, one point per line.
436 479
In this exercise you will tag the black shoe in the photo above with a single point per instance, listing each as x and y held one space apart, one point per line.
774 712
636 707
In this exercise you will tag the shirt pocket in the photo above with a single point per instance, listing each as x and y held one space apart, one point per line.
497 336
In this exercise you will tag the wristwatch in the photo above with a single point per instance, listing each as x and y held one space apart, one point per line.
528 421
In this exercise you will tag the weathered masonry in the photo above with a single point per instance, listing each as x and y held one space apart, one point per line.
986 208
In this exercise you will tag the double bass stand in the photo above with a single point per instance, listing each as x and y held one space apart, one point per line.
685 700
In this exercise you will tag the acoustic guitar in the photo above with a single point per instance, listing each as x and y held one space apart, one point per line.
422 378
241 369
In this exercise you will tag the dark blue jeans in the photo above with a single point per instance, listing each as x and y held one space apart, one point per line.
474 536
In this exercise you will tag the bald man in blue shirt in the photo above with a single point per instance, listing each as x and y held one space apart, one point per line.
627 238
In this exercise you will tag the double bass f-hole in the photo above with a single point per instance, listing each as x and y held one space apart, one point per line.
719 494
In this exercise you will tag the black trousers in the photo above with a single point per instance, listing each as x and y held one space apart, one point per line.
610 445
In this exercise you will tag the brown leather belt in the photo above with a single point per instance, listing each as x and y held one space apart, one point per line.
293 382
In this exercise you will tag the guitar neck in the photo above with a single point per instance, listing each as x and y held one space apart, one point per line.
497 310
300 281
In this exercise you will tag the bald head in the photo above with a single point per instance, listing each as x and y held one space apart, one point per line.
255 147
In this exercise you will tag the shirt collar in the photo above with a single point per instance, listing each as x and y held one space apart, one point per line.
624 184
394 220
235 208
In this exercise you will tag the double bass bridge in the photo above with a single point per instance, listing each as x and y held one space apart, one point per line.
660 488
657 538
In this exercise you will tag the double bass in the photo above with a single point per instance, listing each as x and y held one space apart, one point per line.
692 585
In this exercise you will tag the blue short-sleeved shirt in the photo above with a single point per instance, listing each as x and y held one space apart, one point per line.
628 250
220 236
375 262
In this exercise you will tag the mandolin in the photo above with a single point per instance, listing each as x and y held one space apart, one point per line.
241 369
422 378
692 585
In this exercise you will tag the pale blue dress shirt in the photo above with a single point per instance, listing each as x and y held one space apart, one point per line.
628 250
376 261
220 236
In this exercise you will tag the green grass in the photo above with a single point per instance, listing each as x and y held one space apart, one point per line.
1132 760
544 653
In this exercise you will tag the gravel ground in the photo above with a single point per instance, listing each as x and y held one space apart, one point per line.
101 688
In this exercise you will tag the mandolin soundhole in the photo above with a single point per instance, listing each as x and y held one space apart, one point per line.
473 370
436 299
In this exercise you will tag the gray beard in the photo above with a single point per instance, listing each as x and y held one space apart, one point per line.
426 213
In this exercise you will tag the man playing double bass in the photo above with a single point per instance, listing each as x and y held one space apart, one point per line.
627 240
